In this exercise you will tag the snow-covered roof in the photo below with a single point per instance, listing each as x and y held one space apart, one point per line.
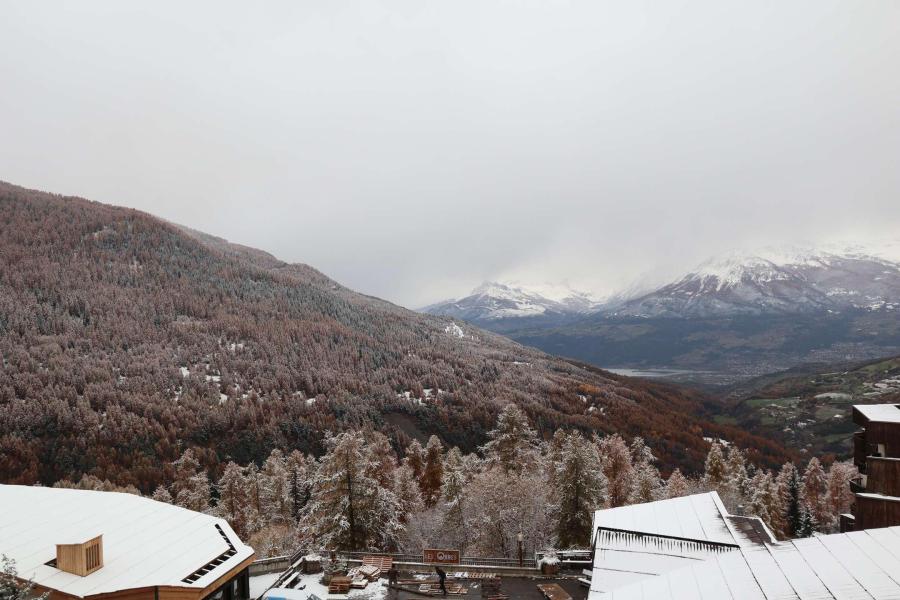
145 543
879 413
843 566
635 542
699 517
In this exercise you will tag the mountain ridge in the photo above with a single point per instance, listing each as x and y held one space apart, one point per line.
126 339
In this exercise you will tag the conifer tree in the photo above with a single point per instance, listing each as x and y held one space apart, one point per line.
161 494
186 466
736 468
384 452
298 466
581 489
255 517
453 492
677 485
195 494
815 493
840 498
617 468
788 482
432 473
348 509
513 443
806 523
764 502
715 471
409 495
232 507
415 458
646 483
274 489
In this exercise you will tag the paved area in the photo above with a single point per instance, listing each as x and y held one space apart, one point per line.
517 588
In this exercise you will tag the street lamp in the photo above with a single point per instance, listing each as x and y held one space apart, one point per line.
520 538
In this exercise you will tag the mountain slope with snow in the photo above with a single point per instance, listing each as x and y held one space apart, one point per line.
777 281
739 315
493 301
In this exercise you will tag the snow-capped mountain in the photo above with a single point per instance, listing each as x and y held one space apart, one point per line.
781 280
493 301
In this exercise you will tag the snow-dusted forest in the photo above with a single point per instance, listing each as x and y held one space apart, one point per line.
363 495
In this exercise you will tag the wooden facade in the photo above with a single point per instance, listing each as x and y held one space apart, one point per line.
871 512
876 453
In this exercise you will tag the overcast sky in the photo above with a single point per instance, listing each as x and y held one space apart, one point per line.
412 149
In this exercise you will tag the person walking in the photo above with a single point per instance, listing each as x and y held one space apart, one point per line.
442 576
393 577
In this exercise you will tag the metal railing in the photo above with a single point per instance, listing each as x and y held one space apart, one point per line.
528 562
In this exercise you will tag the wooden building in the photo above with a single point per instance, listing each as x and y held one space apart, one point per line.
80 544
876 453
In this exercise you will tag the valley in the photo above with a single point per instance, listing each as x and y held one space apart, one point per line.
809 408
731 319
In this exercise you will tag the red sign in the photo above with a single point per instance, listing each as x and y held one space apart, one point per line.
447 557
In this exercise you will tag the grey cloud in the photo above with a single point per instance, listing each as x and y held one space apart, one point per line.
413 149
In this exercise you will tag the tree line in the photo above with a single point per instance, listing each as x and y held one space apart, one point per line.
362 495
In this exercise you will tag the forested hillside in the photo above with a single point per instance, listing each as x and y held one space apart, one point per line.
126 340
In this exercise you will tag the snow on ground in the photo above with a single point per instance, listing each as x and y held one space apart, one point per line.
454 330
260 583
185 371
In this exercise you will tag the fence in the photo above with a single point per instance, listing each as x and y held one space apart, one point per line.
527 562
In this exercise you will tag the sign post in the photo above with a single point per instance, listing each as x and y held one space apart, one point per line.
439 556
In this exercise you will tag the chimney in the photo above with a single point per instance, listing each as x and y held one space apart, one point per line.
80 559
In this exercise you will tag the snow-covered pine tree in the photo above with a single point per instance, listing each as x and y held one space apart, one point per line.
255 517
581 488
432 472
186 466
454 494
195 494
715 471
806 523
161 494
764 502
299 466
788 485
348 509
275 489
646 483
617 468
736 467
814 494
409 495
415 458
513 443
840 498
677 485
232 507
384 452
